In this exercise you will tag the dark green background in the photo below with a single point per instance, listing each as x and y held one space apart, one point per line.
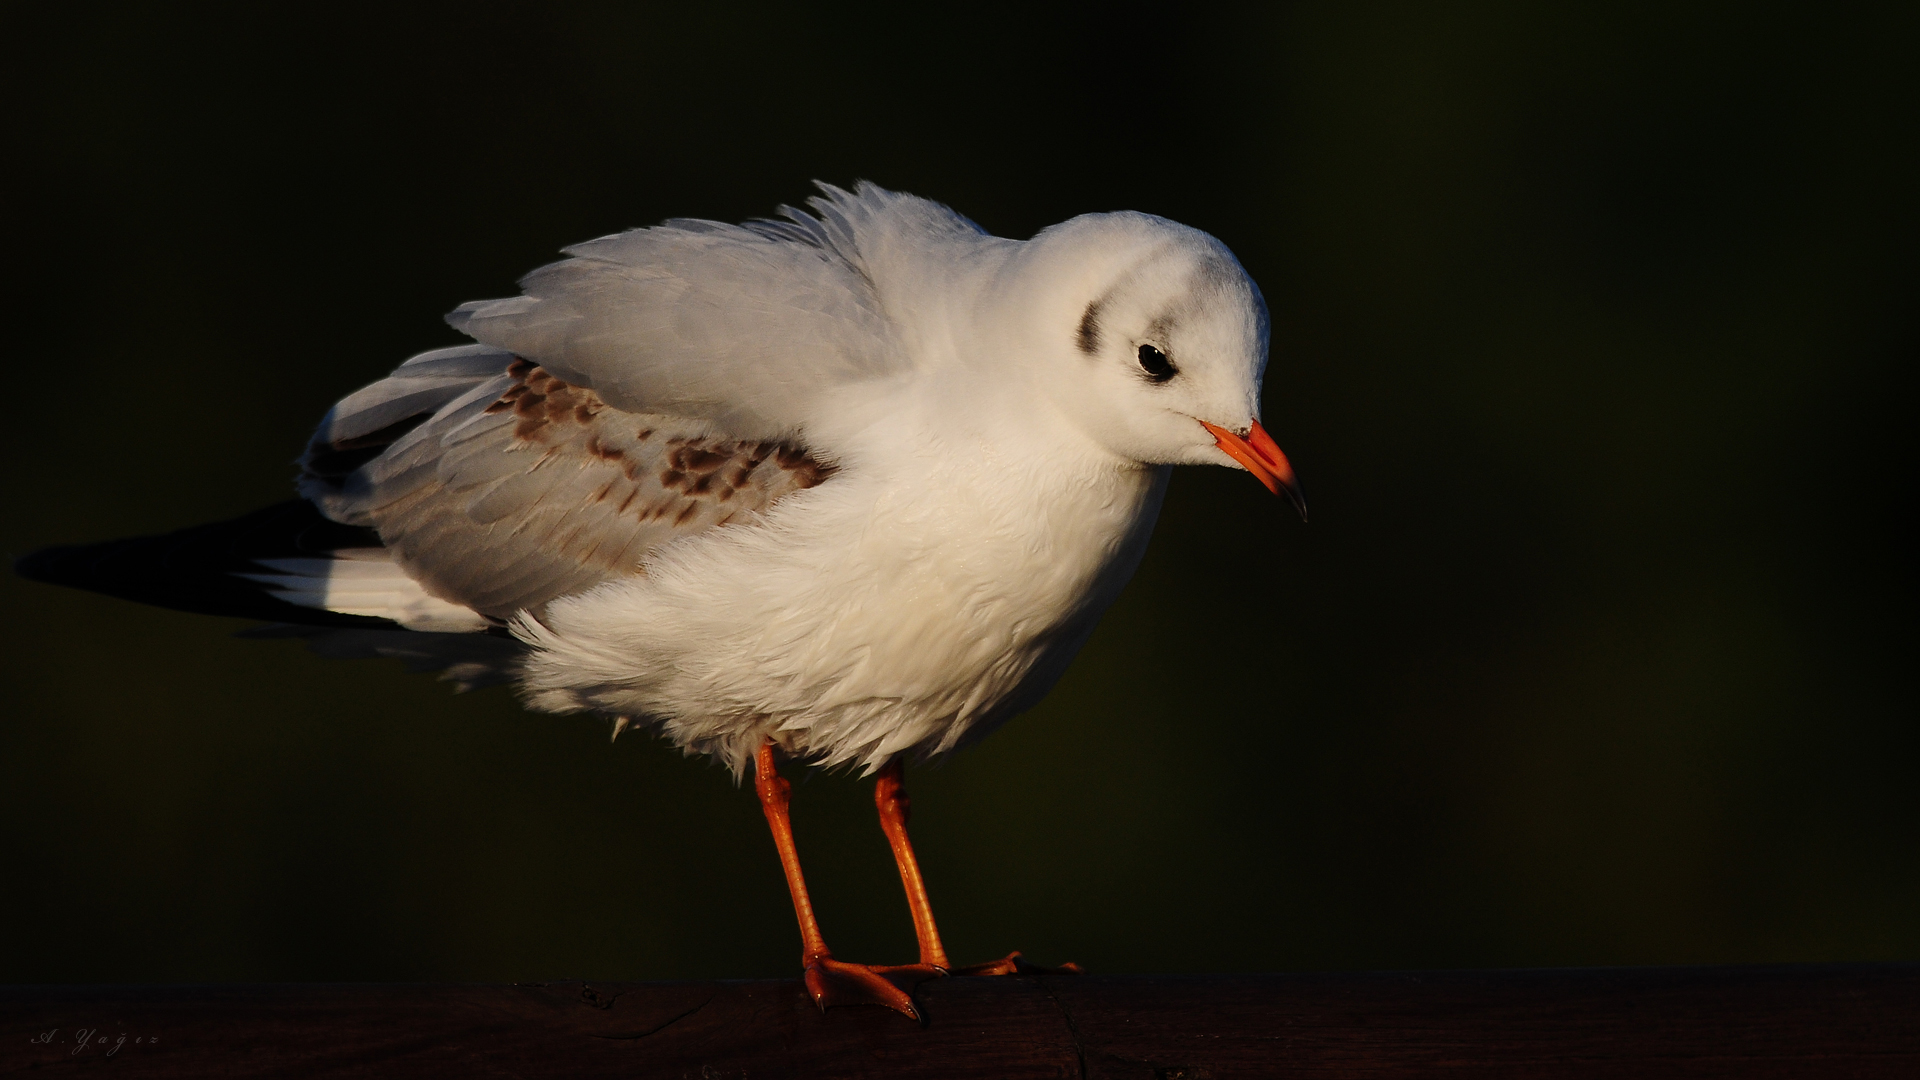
1594 345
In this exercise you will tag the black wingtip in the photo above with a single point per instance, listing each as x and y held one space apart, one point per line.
40 565
197 569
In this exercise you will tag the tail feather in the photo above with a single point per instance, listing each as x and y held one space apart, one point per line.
200 569
468 661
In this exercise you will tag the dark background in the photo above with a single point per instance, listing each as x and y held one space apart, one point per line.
1594 346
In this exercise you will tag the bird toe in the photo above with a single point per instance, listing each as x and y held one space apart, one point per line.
833 982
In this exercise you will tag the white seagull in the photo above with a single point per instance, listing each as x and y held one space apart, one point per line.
851 486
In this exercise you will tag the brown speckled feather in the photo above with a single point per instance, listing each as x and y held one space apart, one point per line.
529 488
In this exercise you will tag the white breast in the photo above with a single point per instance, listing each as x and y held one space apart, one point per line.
898 608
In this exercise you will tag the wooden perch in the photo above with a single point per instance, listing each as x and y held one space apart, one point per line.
1747 1022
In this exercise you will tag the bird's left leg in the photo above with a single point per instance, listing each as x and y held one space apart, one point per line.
829 981
890 798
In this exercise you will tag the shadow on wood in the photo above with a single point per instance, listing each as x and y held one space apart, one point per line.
1803 1020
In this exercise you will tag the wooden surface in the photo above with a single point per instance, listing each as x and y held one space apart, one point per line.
1750 1022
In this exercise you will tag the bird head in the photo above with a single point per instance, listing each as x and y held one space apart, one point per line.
1152 341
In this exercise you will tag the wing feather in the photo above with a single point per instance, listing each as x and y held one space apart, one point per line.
523 487
668 374
749 326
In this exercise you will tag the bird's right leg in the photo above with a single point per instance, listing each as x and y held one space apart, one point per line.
829 981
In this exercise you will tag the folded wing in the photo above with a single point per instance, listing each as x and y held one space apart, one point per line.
497 486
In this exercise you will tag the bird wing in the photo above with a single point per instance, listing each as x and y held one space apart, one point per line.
749 326
498 486
655 384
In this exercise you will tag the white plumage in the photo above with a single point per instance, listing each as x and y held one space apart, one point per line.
859 482
365 581
855 485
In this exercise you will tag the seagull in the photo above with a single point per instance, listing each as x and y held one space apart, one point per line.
845 487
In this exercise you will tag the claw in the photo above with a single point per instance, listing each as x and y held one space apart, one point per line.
1012 964
832 982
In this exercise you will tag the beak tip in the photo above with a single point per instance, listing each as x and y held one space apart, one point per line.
1289 490
1258 454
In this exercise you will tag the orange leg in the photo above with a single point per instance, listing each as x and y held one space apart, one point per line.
829 981
890 798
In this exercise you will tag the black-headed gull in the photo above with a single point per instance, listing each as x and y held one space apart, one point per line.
852 486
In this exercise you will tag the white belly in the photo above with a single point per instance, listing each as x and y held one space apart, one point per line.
853 623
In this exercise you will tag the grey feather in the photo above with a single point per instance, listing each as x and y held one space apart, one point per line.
421 385
744 325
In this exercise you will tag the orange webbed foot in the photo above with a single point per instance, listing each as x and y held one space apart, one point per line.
1013 964
833 982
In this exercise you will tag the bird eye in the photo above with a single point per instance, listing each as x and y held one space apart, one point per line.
1155 364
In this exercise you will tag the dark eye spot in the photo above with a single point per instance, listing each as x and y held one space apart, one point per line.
1089 335
1155 364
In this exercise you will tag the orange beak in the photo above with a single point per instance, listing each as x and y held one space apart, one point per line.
1263 459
